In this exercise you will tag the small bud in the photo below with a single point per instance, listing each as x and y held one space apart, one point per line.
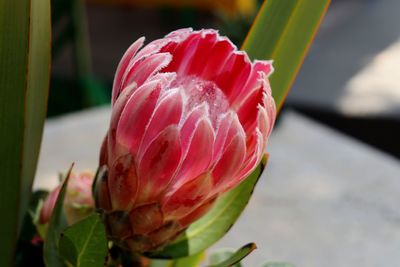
78 202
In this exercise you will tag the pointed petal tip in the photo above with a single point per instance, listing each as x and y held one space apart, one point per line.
180 32
123 65
265 66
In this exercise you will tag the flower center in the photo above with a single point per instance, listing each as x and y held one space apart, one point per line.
199 91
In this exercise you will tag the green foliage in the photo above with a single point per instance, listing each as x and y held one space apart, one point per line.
283 32
84 244
222 255
211 227
235 258
24 81
56 225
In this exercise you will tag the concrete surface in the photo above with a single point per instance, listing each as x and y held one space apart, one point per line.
324 201
353 65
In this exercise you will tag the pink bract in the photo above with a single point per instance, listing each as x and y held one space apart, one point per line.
190 120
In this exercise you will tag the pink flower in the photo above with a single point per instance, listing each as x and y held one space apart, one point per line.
78 201
190 120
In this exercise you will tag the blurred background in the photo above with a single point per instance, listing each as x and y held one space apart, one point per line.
350 80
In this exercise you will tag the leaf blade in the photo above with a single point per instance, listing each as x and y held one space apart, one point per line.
191 261
56 225
279 25
84 244
237 256
24 24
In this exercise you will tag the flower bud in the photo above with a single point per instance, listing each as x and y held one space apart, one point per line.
78 201
190 120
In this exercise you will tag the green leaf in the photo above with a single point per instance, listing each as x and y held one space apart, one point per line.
84 244
212 226
237 256
283 32
191 261
160 263
222 255
24 81
277 264
56 225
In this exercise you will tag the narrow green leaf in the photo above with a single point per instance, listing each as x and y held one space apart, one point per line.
277 264
160 263
56 225
191 261
24 80
222 255
84 244
237 256
283 32
211 227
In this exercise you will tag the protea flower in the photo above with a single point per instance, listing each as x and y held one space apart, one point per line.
190 120
78 202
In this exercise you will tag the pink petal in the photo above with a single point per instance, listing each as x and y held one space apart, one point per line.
136 115
230 163
270 113
167 112
236 71
158 45
189 124
123 64
117 109
180 33
257 141
182 54
255 151
264 123
217 59
265 66
228 128
258 75
144 69
123 183
248 111
159 163
201 55
199 155
187 197
222 134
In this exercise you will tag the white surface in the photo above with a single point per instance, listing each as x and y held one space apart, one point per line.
325 200
72 138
